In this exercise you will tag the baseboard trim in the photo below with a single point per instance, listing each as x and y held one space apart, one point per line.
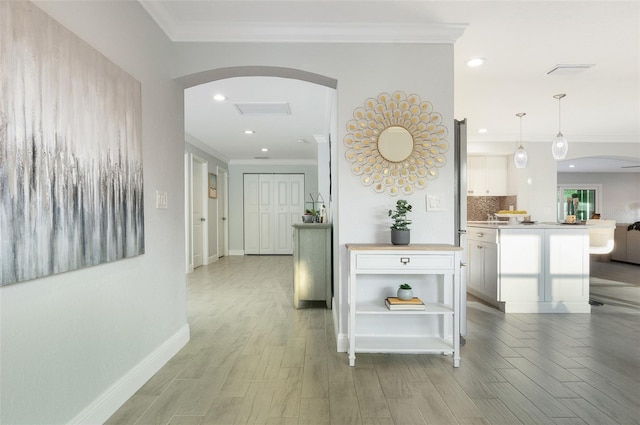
236 252
342 340
342 343
110 401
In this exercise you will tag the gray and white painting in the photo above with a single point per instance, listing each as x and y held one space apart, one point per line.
71 192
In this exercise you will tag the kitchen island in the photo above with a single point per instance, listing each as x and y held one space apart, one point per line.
529 268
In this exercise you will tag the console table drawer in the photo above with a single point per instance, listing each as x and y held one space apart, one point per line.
404 262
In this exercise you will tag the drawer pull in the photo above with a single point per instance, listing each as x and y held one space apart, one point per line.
405 260
480 235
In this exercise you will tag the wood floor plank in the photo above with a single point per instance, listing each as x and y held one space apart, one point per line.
611 388
315 377
223 411
314 411
316 343
286 398
473 386
371 399
391 372
240 376
453 394
611 407
131 411
548 363
282 421
588 413
431 405
537 395
338 368
496 412
545 380
186 420
376 421
405 411
165 406
269 365
294 352
205 390
255 406
343 403
525 410
568 421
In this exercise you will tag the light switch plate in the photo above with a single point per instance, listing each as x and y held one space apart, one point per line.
434 202
161 199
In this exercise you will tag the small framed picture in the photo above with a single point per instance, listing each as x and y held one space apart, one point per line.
213 186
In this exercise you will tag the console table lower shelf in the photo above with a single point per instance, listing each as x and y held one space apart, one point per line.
406 345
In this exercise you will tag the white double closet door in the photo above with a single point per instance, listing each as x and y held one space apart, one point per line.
272 203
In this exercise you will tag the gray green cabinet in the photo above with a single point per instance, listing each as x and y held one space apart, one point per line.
312 263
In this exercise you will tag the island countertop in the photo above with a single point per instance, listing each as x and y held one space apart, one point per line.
520 225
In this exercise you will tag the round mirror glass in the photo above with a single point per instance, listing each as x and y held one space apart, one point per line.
395 143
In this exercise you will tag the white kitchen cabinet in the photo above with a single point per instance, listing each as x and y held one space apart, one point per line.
376 271
482 267
487 176
538 269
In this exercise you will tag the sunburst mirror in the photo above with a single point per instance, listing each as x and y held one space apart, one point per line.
396 143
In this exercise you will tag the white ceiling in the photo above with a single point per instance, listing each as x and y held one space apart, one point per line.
521 41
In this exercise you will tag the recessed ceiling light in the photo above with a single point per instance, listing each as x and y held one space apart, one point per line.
249 132
572 166
474 62
482 130
264 150
219 97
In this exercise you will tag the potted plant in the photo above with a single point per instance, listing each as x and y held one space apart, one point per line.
405 292
309 216
400 228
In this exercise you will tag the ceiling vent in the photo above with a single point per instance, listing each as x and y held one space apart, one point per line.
570 69
263 108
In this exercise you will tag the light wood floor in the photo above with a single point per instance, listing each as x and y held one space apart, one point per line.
253 359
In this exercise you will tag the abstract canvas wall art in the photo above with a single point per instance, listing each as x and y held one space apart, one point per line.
71 189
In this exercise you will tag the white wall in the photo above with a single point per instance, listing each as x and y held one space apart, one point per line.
67 340
362 71
620 193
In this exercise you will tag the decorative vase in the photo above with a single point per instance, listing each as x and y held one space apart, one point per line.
405 294
400 237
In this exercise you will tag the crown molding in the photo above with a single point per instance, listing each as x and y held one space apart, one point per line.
318 33
308 32
268 161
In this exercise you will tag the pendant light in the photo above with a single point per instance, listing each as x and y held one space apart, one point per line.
560 146
520 157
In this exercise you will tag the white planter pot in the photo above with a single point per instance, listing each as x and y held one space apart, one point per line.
405 294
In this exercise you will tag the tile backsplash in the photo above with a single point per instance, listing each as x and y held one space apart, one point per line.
479 206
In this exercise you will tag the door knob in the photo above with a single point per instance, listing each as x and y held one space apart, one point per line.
202 219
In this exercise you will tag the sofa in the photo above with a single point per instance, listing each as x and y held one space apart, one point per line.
626 243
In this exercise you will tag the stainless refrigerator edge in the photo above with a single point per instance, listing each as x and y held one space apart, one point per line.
460 212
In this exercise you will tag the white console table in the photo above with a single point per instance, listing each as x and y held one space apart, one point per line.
376 271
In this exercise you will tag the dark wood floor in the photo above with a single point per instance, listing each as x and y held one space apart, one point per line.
253 359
